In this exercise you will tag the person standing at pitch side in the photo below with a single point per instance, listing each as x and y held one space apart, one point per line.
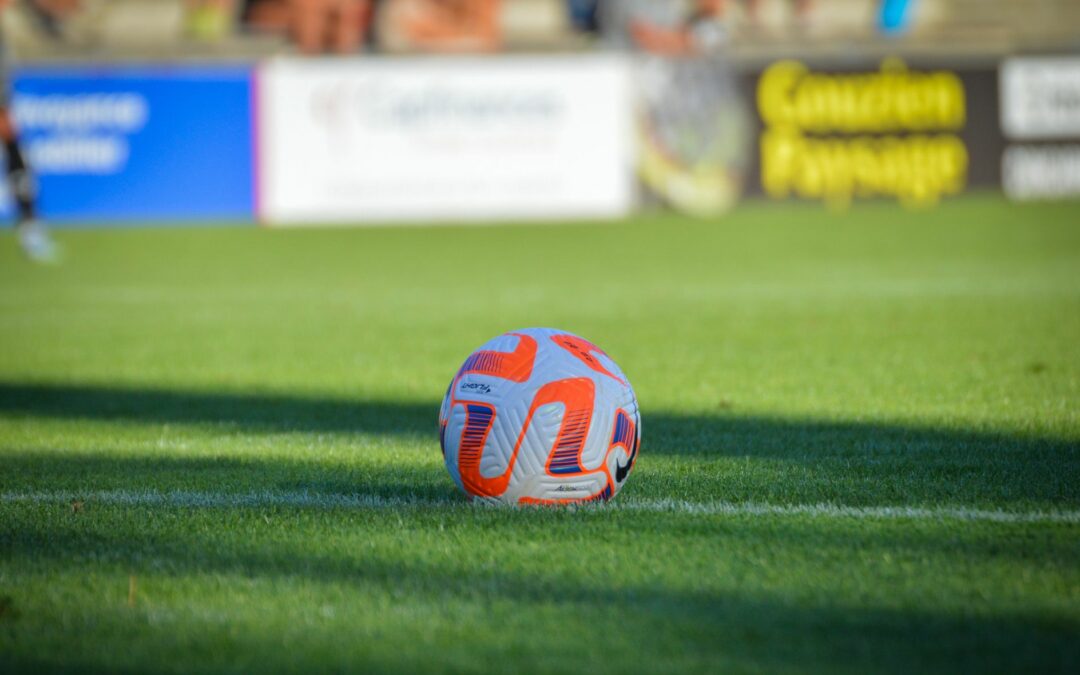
33 237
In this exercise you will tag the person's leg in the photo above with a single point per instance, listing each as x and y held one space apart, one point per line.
273 16
33 237
309 24
753 10
351 24
21 183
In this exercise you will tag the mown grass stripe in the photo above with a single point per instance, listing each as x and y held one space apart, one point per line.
191 499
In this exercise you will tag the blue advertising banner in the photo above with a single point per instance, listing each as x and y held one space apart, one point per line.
137 144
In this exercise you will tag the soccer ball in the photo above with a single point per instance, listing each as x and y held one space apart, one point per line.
539 416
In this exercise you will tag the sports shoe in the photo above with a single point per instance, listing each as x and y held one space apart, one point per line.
36 242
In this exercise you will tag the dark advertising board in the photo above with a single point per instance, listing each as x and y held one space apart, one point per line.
888 130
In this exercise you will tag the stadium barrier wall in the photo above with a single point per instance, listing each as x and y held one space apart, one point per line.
912 133
295 141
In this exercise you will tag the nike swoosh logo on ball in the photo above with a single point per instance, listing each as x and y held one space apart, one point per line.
622 471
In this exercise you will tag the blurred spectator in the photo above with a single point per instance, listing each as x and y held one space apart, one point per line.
753 10
210 20
35 240
583 14
440 25
664 27
50 13
895 16
317 26
689 26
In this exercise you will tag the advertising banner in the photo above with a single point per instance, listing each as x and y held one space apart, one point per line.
1040 97
426 139
888 131
692 132
113 143
1040 111
299 141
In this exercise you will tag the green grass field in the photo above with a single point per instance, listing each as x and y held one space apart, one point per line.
861 448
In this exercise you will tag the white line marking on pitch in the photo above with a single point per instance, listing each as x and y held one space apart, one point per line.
324 501
835 511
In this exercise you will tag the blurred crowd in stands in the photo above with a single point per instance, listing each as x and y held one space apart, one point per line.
345 26
352 26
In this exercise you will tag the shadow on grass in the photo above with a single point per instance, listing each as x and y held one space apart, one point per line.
697 456
560 612
247 412
54 471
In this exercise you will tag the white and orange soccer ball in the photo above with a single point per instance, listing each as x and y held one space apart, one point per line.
539 416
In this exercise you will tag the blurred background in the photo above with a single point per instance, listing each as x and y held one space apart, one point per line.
343 111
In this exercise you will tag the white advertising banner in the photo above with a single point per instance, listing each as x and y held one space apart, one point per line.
444 139
1040 97
1041 171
